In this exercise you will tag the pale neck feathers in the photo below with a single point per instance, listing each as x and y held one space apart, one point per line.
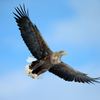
56 58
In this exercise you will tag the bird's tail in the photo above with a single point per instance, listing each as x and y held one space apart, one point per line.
27 68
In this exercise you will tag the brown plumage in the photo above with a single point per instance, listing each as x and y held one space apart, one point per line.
46 59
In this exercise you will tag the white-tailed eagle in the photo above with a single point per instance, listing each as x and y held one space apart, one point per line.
47 60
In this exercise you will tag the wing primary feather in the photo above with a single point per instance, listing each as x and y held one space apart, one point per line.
91 80
21 8
18 11
98 78
79 79
75 79
24 9
16 15
82 80
85 79
27 13
16 18
72 77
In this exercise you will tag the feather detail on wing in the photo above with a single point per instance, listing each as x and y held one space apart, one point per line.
30 34
69 74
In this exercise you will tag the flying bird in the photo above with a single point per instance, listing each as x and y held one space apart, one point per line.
46 60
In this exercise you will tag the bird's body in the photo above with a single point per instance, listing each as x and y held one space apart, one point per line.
47 60
43 65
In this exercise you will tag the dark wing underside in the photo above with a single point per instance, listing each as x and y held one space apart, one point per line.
69 74
31 35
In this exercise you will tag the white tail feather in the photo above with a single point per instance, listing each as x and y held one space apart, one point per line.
27 69
29 60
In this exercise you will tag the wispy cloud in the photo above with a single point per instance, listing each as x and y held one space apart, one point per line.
83 29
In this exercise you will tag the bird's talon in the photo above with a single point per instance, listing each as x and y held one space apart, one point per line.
30 71
35 76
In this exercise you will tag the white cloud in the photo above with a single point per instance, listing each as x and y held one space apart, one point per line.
83 29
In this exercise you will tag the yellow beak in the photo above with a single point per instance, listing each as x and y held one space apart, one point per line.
65 53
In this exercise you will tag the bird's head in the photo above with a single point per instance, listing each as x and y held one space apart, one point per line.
62 53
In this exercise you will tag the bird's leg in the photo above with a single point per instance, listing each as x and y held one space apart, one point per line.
36 66
42 71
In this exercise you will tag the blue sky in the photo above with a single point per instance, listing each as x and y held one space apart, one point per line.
70 25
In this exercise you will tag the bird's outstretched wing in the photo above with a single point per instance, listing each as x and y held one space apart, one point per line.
69 74
31 35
